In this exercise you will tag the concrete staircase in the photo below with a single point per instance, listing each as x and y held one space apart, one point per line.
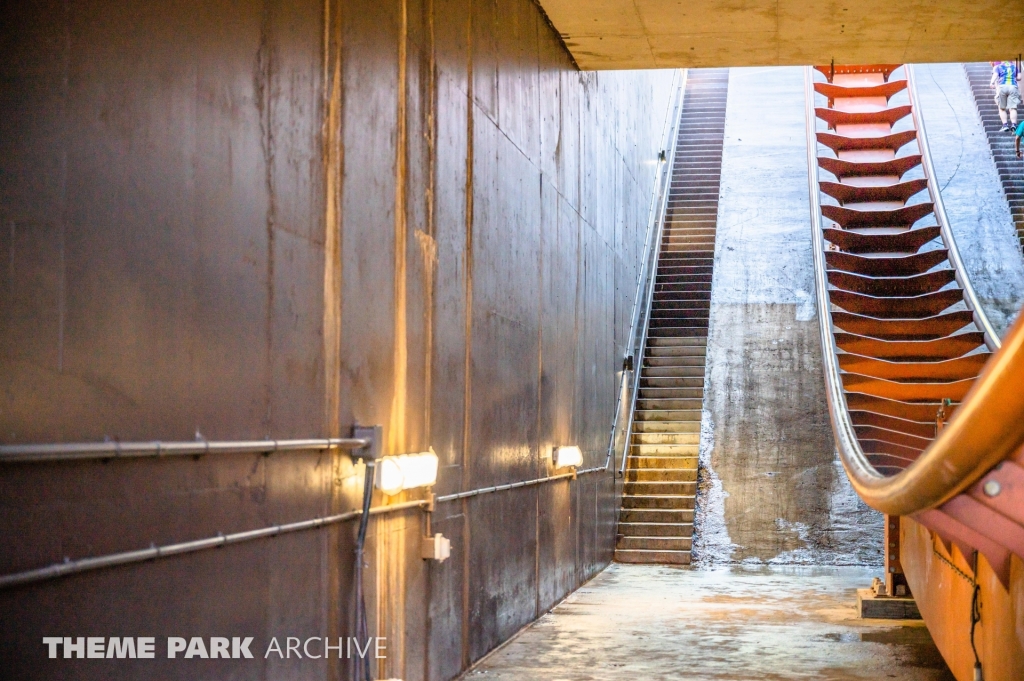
1011 170
656 521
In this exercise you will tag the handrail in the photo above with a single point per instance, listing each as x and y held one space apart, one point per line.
970 297
80 451
986 428
637 322
515 485
649 281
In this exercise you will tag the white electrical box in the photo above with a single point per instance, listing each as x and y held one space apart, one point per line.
438 547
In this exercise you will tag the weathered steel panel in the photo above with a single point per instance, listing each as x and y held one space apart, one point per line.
165 221
502 592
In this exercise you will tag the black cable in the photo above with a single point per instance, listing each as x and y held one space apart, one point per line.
975 618
361 668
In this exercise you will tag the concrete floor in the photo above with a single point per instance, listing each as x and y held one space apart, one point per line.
736 623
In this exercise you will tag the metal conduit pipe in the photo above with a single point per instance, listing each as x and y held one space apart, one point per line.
362 668
70 567
79 451
987 427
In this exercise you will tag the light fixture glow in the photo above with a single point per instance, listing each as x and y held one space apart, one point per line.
406 471
567 456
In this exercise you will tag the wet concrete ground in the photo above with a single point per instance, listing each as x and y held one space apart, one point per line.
735 623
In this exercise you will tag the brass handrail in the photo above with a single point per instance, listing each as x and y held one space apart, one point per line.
986 428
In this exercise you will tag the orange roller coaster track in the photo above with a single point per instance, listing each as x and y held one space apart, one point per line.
927 404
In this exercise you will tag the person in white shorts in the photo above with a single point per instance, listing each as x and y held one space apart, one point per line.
1005 76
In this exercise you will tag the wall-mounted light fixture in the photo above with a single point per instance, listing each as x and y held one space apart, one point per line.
438 548
406 471
567 456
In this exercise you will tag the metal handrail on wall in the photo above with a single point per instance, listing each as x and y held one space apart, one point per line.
986 428
645 283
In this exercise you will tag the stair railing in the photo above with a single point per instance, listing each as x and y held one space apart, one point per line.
630 380
970 297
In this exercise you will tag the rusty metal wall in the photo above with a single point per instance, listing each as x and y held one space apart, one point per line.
277 219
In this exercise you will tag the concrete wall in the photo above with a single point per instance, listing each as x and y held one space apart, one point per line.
971 191
277 219
772 489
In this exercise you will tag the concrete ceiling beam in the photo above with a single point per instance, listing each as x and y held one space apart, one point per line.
638 34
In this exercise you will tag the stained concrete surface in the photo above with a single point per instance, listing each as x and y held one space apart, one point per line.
771 487
971 192
735 623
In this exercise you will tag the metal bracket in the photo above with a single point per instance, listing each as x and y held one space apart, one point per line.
375 435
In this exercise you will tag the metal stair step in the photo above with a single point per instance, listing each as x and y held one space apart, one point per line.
677 331
684 385
662 462
644 404
654 543
666 426
656 515
627 529
683 438
675 361
655 389
677 351
673 342
661 475
664 450
652 557
675 502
